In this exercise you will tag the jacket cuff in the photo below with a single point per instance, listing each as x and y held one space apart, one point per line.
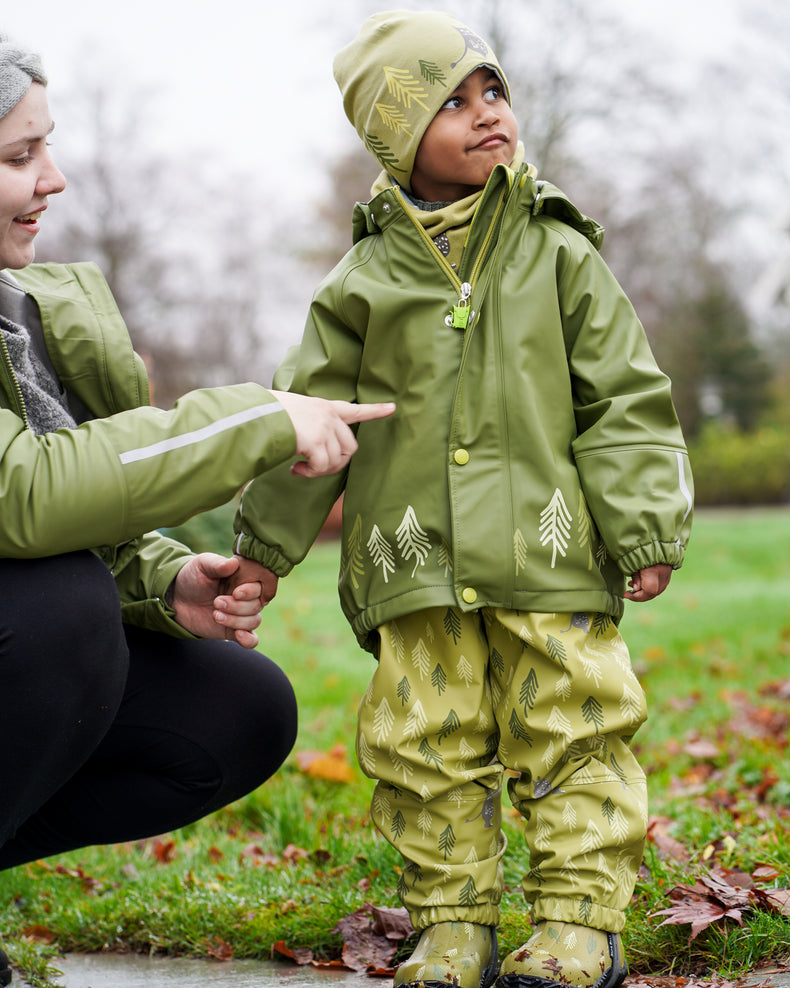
268 556
643 556
154 615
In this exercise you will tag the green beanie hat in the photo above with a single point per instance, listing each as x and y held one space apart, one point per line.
397 74
18 69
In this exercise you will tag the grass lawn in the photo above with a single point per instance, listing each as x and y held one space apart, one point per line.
290 860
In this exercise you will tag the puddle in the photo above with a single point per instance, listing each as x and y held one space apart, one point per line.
133 971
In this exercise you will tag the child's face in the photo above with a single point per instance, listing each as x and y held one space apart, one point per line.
474 131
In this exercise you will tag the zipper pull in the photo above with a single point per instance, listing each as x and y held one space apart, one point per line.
460 316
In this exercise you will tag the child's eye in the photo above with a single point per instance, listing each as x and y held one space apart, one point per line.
453 103
494 93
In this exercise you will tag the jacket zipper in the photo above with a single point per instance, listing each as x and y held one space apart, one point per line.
462 310
14 382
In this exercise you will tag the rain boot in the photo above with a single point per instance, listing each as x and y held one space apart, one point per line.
5 969
463 955
559 955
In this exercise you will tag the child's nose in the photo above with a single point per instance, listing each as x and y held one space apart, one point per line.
486 113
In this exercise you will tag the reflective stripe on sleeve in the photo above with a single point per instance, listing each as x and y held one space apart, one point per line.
207 432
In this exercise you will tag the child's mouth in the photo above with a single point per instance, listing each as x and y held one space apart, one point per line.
30 219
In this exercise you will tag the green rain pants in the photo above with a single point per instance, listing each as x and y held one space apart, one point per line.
456 699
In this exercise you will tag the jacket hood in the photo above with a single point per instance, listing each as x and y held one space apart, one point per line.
540 197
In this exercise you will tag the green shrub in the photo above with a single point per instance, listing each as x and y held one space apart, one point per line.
733 467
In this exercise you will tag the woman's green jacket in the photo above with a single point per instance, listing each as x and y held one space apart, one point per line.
130 468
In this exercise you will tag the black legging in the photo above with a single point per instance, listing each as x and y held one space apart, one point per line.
111 733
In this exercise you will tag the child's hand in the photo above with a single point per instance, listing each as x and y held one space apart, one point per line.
649 583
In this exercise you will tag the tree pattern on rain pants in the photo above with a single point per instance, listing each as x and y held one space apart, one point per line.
459 698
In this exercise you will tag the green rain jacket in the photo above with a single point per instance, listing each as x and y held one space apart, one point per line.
535 459
105 484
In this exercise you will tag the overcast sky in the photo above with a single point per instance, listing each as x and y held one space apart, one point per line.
252 83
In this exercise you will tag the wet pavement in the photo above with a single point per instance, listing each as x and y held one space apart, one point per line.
133 971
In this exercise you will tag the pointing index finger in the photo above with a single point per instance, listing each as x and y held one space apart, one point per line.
365 412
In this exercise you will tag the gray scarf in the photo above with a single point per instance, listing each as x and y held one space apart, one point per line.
45 403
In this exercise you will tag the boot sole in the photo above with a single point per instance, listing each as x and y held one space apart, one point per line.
611 978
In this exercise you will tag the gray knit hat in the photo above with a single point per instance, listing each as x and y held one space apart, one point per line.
18 69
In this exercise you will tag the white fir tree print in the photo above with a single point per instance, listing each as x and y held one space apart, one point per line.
421 658
413 542
381 552
436 898
563 688
548 755
445 871
365 755
464 669
354 562
621 655
416 722
445 558
592 838
558 723
569 816
584 530
519 550
584 775
624 868
398 644
630 705
604 873
400 764
383 719
641 788
467 753
570 941
569 871
430 634
381 804
591 666
526 636
456 794
425 794
619 825
555 526
424 822
543 832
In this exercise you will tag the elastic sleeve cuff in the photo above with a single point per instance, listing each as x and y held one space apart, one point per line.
268 556
643 556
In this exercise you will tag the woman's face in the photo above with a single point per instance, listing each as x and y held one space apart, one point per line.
27 176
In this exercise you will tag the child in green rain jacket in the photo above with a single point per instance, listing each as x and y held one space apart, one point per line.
533 476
